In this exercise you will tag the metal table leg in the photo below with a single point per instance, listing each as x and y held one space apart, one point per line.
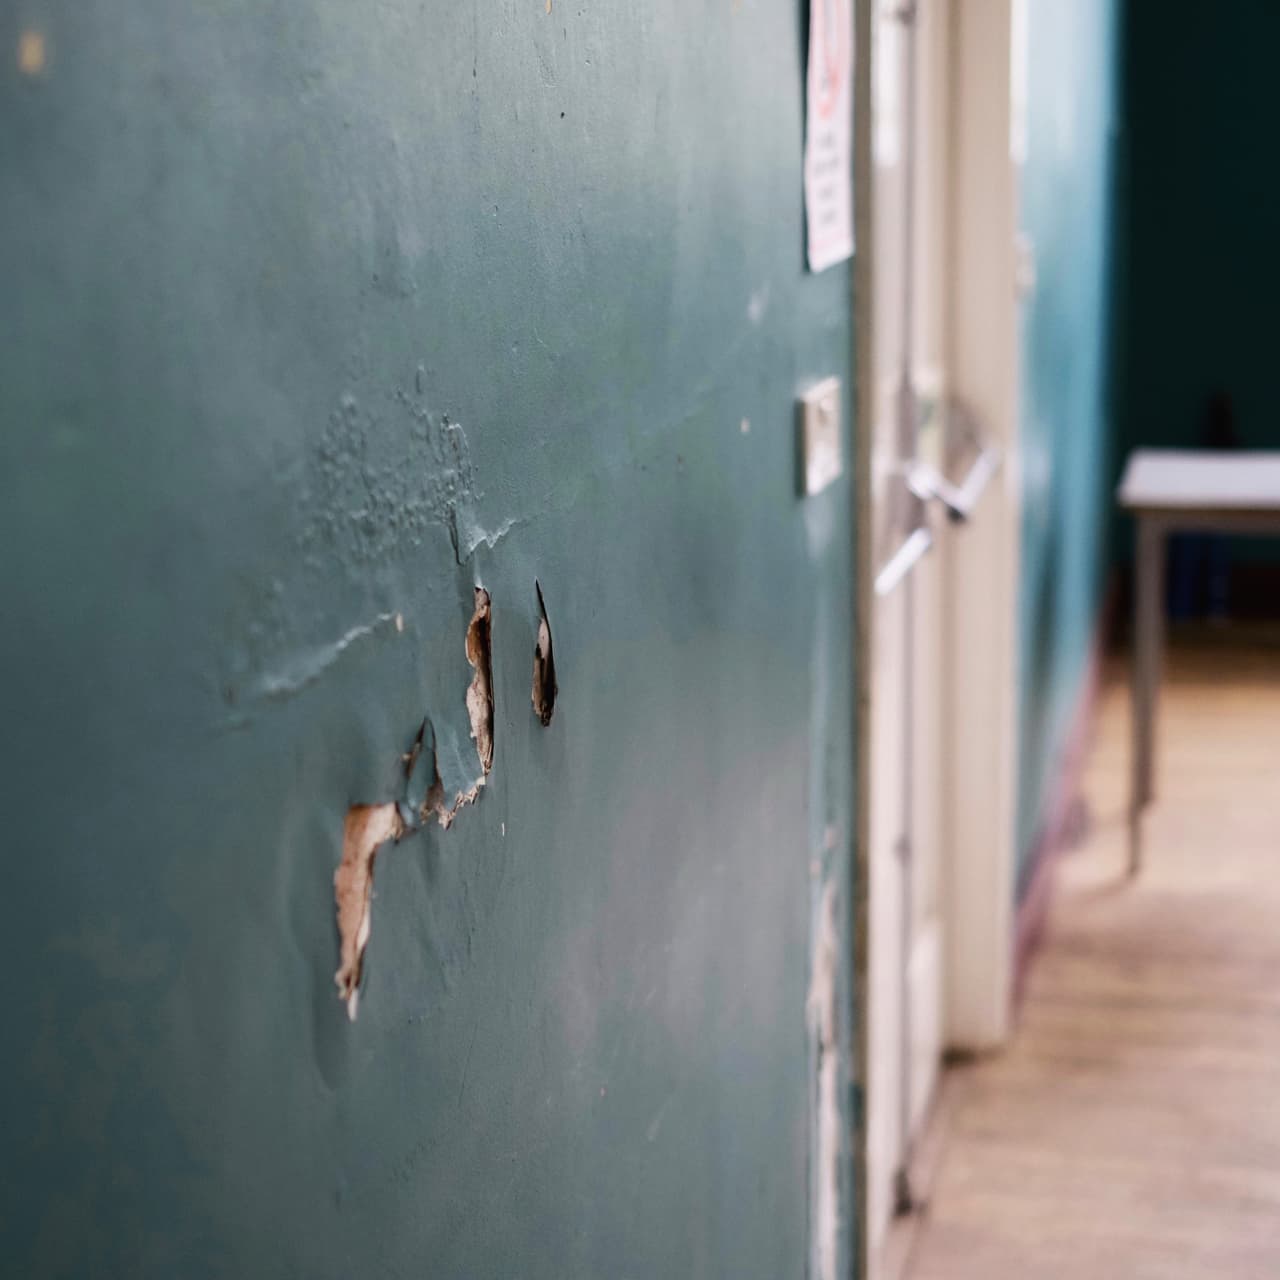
1147 650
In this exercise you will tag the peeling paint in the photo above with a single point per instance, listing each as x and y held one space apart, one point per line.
437 804
480 691
368 827
445 813
466 544
544 665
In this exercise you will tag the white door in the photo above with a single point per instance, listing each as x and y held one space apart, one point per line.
943 659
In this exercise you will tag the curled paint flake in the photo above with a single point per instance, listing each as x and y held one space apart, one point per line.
544 666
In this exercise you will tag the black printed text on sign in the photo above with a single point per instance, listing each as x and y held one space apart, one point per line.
828 138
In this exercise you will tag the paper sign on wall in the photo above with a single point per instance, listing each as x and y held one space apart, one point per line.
828 133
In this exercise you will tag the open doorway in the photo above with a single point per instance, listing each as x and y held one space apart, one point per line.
939 407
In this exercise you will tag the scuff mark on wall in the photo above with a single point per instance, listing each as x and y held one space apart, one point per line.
544 665
308 667
368 827
824 1188
758 304
480 691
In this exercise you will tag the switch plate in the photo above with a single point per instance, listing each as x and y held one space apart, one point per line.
820 435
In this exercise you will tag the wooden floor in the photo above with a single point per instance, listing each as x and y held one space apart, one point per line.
1132 1129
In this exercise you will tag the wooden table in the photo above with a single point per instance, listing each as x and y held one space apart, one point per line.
1171 491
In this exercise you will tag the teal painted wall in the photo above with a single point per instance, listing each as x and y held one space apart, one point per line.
1067 211
314 317
1201 208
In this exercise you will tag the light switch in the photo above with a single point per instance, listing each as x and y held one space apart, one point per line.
820 434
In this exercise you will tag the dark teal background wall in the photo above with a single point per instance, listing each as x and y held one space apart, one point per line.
1201 208
1067 212
315 316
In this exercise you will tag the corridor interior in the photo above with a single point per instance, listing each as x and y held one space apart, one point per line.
1131 1131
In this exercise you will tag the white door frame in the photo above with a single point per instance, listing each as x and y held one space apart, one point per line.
981 559
864 572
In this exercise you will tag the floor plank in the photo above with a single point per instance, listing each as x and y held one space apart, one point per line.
1132 1128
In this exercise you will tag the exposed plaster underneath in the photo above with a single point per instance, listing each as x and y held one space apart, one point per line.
480 691
368 827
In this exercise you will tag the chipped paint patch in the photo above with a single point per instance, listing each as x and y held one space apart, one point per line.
823 1023
544 665
368 827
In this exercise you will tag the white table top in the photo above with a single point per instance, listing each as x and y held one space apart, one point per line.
1186 480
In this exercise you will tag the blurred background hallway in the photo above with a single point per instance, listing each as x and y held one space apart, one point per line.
1130 1130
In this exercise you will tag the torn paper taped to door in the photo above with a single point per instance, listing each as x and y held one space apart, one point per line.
828 134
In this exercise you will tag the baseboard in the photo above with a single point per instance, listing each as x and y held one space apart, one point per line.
893 1260
1058 823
